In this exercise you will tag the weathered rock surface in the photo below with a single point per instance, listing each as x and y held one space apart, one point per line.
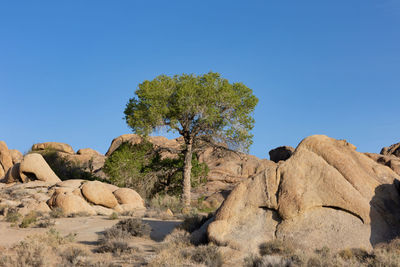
5 157
326 193
393 150
33 166
70 203
12 175
129 196
16 156
98 193
62 147
390 161
88 151
281 153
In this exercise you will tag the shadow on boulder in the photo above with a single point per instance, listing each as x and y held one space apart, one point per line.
385 213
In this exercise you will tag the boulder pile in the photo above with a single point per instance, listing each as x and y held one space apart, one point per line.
28 183
326 193
389 156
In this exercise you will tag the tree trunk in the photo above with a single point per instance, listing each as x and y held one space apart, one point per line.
187 170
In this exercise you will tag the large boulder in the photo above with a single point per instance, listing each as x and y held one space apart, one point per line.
34 167
280 153
129 196
12 175
326 193
5 157
62 147
88 151
98 193
69 203
16 156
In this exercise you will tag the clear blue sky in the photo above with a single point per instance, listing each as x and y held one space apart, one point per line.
68 68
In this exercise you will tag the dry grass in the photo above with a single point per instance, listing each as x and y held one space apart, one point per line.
176 250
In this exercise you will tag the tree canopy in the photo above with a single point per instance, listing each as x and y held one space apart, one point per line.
191 105
205 107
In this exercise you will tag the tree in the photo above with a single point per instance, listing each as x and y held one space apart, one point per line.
205 107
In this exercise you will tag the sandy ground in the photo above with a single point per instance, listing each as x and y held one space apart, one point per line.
87 230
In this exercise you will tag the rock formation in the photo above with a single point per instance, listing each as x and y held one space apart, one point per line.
326 193
393 150
62 147
226 167
390 156
30 184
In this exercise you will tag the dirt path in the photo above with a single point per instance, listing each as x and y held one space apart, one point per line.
87 230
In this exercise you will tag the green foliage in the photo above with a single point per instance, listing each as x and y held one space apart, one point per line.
140 167
13 216
164 202
191 105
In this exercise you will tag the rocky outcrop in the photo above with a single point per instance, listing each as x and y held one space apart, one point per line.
70 203
393 150
16 156
5 158
280 153
34 167
326 193
55 146
390 161
68 196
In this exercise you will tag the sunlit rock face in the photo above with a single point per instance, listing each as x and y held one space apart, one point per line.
325 194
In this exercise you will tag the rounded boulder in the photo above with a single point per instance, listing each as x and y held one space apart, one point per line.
99 194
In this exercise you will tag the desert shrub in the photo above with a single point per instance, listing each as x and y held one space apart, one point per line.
29 219
115 238
276 247
192 223
267 261
164 202
79 214
45 223
206 255
134 227
358 254
57 213
140 167
13 216
113 216
176 250
64 168
74 256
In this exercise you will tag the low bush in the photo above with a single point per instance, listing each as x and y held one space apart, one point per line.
164 202
29 219
142 168
113 216
13 216
57 213
194 222
176 250
134 227
276 247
